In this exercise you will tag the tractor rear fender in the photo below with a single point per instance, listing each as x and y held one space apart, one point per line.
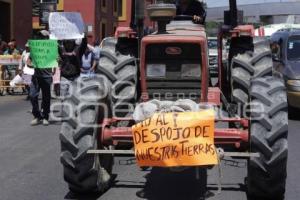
241 41
127 46
238 45
125 32
243 30
127 41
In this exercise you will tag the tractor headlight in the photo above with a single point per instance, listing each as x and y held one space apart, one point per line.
191 70
156 70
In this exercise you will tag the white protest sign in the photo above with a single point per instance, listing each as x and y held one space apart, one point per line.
66 26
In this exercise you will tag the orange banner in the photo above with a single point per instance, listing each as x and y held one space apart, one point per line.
176 139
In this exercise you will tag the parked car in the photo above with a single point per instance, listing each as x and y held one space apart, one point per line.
268 30
213 55
285 45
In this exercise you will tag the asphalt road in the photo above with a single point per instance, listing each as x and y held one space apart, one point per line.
30 168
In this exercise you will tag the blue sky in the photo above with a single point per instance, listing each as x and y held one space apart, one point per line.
218 3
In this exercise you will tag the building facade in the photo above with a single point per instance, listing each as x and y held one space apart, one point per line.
100 16
15 20
125 10
36 12
265 12
106 18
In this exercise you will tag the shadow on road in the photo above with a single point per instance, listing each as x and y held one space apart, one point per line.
294 117
228 187
72 196
164 184
95 196
128 184
294 114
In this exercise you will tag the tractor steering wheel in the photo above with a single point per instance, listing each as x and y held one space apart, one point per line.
183 17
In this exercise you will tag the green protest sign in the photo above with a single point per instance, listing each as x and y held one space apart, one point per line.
44 53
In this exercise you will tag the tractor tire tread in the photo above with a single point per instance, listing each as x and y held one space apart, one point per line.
80 171
268 137
247 66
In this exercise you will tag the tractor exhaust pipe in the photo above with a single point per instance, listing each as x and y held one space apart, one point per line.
233 13
139 11
233 17
140 16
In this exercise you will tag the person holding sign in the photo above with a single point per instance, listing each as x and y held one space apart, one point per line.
69 63
43 58
71 52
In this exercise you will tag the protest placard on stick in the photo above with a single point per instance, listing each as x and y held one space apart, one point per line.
176 139
44 53
66 26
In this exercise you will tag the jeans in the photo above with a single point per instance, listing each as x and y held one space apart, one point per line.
44 84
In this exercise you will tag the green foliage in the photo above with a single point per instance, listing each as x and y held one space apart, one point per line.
212 28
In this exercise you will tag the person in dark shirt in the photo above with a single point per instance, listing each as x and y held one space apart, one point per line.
70 53
69 62
192 8
41 80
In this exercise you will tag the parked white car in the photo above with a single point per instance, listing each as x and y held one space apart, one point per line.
213 55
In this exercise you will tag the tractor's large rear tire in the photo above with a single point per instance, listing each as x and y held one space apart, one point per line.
85 173
248 65
269 131
122 73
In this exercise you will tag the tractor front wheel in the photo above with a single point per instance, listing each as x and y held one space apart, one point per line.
82 110
268 137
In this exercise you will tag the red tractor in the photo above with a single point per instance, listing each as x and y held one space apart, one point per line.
135 67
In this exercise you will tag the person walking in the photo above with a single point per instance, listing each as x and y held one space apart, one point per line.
41 80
